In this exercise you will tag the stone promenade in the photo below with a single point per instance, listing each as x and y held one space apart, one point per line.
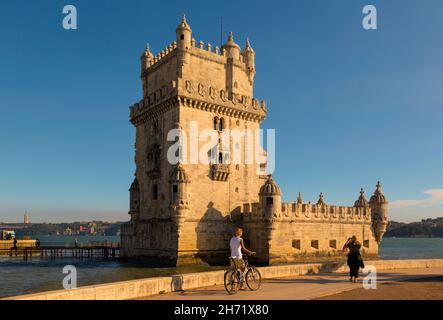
299 287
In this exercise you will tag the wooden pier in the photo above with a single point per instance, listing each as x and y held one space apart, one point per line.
53 252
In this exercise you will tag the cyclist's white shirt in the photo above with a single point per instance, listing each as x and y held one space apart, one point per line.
235 247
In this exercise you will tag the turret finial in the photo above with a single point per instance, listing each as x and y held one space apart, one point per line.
230 36
299 198
321 200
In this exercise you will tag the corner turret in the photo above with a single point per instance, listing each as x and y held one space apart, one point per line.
134 200
184 34
270 199
231 49
249 59
361 202
146 59
379 212
179 194
184 38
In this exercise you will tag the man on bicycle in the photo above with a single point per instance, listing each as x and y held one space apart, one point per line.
237 246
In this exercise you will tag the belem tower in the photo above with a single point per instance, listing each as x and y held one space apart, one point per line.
185 213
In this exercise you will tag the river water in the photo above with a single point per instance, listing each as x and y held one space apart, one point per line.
42 274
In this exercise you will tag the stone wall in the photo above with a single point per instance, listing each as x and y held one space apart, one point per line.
153 286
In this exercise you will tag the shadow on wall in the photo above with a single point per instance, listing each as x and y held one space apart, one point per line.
213 233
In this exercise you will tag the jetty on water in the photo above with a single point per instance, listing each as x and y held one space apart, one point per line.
53 252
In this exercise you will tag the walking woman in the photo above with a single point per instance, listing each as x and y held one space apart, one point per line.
355 261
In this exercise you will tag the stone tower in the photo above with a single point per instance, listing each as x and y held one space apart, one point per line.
186 200
184 211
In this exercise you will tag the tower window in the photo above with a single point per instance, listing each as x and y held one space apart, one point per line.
182 37
269 201
215 121
314 244
154 192
221 124
296 244
174 192
220 158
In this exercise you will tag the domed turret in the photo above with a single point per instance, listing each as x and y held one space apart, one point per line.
179 194
134 185
134 200
270 187
379 212
184 34
179 179
362 202
146 59
378 196
231 48
179 175
270 199
249 59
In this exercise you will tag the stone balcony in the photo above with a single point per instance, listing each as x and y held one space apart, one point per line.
220 172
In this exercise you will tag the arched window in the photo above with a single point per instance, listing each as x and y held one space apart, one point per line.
221 124
220 157
215 123
154 192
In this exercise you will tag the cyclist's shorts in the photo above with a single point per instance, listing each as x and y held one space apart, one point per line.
237 263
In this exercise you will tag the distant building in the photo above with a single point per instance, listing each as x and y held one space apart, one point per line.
26 219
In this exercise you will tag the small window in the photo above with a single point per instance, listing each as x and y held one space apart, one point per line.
314 244
333 244
154 192
215 122
269 201
182 37
366 243
296 244
175 188
220 158
221 124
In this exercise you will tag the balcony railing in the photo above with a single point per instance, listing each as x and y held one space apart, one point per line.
220 172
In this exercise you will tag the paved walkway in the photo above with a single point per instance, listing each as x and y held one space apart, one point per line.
299 287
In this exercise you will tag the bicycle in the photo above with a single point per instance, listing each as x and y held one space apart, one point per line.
234 278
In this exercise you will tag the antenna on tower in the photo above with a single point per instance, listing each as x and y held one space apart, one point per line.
221 31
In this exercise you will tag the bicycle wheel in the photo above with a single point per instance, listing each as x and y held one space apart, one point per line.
253 279
231 281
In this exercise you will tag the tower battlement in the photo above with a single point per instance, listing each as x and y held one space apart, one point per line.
309 212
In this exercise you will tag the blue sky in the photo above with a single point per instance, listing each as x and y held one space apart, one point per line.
349 106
